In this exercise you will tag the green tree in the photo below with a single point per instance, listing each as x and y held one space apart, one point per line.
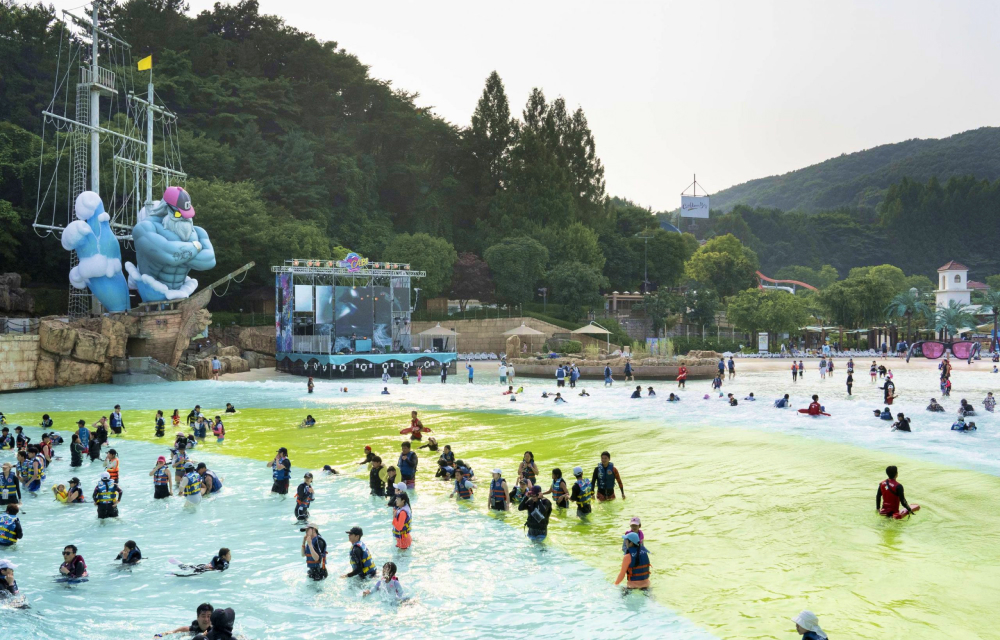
819 278
857 302
887 272
773 311
667 253
701 305
490 138
991 300
436 256
517 264
575 242
724 264
662 309
953 318
993 282
908 304
471 280
577 286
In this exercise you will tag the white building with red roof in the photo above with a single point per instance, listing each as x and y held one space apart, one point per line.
953 284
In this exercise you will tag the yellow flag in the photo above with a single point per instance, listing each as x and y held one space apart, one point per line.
146 63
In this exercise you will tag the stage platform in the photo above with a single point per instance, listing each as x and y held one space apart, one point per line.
312 363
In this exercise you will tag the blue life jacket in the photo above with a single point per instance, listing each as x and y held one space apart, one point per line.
606 477
497 494
557 491
193 485
280 472
8 483
216 483
463 489
116 420
24 470
319 545
638 568
586 491
560 373
367 564
406 469
106 493
40 459
180 459
8 532
161 477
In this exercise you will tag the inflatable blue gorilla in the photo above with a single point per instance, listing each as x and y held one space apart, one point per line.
167 247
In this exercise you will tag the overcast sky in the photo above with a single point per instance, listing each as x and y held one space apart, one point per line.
729 90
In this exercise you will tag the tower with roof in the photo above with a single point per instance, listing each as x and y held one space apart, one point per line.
953 284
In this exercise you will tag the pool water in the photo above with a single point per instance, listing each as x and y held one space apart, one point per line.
750 514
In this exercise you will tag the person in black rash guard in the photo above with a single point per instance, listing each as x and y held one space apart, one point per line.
230 408
539 509
304 496
362 564
75 451
130 554
902 423
431 444
222 626
73 566
377 478
201 624
8 586
75 492
219 563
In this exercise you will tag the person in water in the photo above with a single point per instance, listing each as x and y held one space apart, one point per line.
281 471
807 625
559 399
407 464
885 414
463 486
222 626
750 398
961 425
402 520
902 423
387 584
362 564
314 551
10 485
634 525
682 375
890 496
73 566
604 477
782 403
107 495
432 444
635 563
990 402
308 422
539 510
304 496
10 526
583 394
583 493
8 585
369 456
499 492
377 478
130 554
230 408
385 391
731 399
201 623
638 392
210 481
160 428
191 484
219 562
815 408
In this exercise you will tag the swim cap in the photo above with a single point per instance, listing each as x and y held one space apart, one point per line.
632 537
577 471
368 447
105 475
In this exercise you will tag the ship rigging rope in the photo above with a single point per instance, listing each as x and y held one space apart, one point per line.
228 282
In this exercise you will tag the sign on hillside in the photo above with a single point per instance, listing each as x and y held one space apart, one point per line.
694 206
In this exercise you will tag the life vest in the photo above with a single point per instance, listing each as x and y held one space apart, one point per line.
116 421
557 492
401 523
8 533
113 470
309 497
638 568
216 483
84 434
890 501
375 480
106 493
193 485
320 548
180 459
40 459
24 470
176 420
586 492
463 489
528 472
497 494
606 477
367 564
406 469
280 471
161 478
8 484
79 495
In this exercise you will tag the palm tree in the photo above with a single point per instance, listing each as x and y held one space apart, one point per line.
954 317
908 304
992 307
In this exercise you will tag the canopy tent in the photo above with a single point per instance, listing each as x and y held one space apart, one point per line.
441 339
594 329
526 334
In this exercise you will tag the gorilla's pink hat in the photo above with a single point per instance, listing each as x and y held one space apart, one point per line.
179 201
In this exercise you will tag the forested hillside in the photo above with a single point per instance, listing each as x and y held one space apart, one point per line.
862 179
293 149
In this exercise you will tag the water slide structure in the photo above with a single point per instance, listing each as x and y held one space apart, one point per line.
771 283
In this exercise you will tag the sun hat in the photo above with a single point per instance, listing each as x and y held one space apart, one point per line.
635 520
498 472
7 564
400 486
808 621
577 471
632 537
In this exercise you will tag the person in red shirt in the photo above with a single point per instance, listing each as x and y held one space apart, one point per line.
416 427
890 496
682 376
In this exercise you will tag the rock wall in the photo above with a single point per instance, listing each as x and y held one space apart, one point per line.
19 359
14 301
79 352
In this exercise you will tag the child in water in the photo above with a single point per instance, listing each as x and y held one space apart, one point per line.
388 585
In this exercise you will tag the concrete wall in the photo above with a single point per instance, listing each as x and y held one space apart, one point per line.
486 335
18 359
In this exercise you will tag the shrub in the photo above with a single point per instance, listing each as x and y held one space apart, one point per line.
572 346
